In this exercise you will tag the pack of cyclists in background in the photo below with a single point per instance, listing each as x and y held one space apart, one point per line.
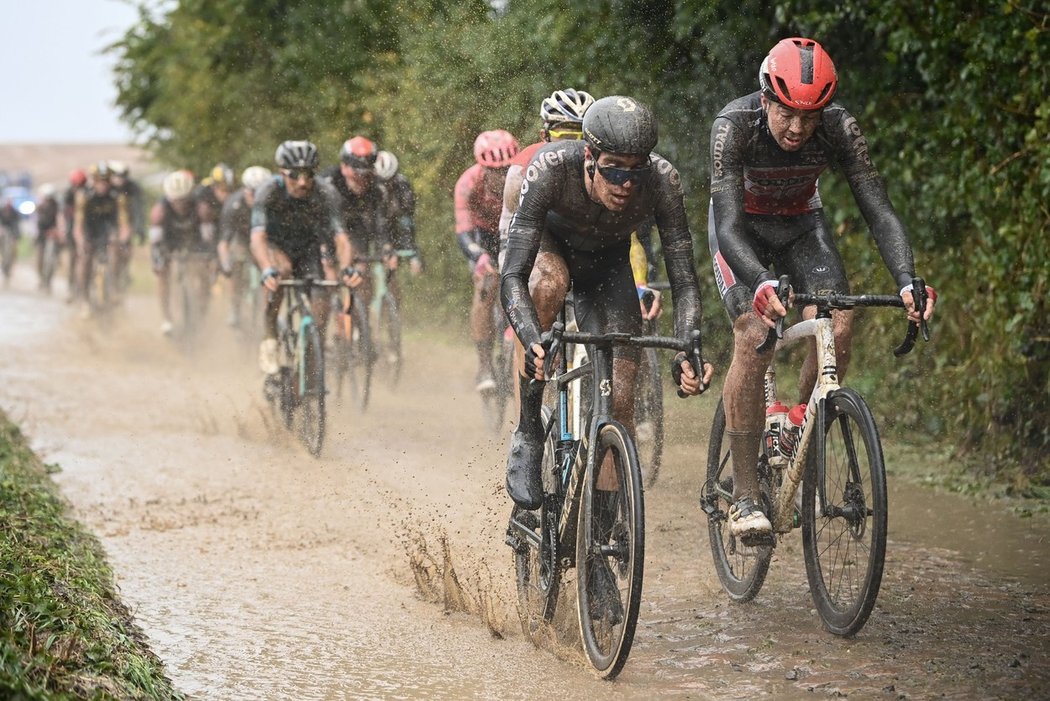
767 151
478 203
233 249
101 226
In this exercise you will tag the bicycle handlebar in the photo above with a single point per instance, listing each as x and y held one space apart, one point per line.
382 257
308 282
836 300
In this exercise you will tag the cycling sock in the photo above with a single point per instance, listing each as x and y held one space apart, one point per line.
744 445
531 402
484 355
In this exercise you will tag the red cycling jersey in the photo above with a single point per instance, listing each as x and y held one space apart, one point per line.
477 207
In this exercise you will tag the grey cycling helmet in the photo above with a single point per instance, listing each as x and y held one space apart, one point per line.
297 154
386 165
568 105
619 124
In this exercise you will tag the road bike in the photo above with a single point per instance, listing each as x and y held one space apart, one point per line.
599 532
51 244
494 401
362 351
8 251
837 457
297 391
102 284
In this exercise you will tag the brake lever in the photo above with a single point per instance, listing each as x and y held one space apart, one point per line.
920 299
551 342
777 332
696 359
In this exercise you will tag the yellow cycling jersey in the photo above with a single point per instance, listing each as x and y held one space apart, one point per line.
639 262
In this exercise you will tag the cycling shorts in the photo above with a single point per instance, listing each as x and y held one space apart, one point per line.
798 246
605 299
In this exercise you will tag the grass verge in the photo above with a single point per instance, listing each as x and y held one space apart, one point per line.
64 633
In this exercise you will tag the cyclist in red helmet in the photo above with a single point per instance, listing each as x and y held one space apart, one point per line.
478 201
767 151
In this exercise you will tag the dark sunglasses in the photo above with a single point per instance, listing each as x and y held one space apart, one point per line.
622 176
299 173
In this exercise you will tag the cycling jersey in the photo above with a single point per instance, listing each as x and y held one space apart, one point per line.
478 208
364 217
46 215
751 176
136 208
554 203
235 223
179 231
401 204
298 227
100 214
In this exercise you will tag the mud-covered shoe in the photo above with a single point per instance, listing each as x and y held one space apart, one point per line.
166 327
746 520
603 595
524 481
485 381
268 356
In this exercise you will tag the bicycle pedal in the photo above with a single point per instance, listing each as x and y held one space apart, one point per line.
757 540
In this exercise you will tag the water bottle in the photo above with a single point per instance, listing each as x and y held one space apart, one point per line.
792 430
776 415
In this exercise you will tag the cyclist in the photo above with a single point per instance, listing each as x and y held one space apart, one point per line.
48 225
573 227
77 182
175 227
100 221
295 229
401 205
478 201
10 227
235 225
362 205
768 150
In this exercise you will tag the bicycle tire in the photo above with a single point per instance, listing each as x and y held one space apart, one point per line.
608 641
49 261
537 568
845 543
7 253
309 389
390 339
740 568
649 415
361 358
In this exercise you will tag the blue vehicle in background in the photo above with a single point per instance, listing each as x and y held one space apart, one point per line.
18 189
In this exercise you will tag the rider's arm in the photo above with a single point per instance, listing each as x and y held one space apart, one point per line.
123 218
333 231
729 137
156 223
523 243
677 244
79 203
869 190
466 224
259 242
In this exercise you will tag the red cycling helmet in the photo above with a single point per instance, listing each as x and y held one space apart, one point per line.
798 73
77 177
359 153
495 148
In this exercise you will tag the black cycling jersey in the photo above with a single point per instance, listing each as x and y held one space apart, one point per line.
181 232
101 212
554 201
136 206
235 224
298 227
46 215
364 217
752 176
401 205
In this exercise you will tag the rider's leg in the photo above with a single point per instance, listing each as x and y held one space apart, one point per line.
84 259
482 329
742 397
548 285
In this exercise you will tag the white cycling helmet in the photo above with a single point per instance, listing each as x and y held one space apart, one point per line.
386 165
178 184
567 105
255 176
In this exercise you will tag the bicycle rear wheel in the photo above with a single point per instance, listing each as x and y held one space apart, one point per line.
741 568
610 554
308 386
534 537
649 415
844 514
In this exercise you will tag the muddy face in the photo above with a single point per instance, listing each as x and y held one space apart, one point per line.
379 569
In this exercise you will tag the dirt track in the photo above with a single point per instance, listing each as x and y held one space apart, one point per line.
379 570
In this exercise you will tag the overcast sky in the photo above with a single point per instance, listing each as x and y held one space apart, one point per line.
56 85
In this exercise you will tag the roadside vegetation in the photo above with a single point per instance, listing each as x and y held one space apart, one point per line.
64 633
952 94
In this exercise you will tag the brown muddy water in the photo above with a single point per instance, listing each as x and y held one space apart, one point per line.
379 570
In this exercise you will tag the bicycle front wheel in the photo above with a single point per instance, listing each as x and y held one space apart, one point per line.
741 568
362 355
649 415
844 513
534 537
610 552
308 385
390 339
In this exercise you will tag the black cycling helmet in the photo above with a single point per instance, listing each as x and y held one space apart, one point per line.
297 154
619 124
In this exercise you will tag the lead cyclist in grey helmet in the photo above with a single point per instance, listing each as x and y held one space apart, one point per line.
579 203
